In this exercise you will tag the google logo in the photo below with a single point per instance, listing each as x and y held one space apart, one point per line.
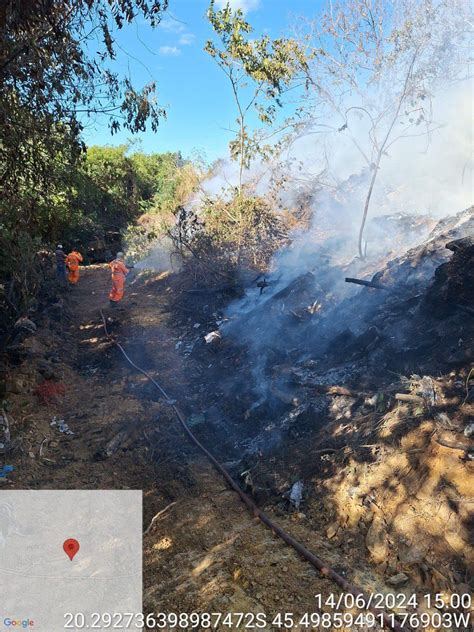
18 623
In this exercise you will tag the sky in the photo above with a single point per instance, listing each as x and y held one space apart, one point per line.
190 86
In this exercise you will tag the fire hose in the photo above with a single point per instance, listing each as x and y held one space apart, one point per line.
313 559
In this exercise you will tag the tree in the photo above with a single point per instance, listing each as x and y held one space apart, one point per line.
258 70
55 70
131 193
380 61
51 80
46 63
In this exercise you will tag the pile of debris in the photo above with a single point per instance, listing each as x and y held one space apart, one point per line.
360 397
453 286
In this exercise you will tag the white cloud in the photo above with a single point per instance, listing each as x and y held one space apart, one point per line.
245 5
169 51
186 39
172 25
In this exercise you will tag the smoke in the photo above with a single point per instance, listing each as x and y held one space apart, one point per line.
327 169
420 174
162 258
421 179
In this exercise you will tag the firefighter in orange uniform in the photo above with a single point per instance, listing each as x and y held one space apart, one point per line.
119 272
73 260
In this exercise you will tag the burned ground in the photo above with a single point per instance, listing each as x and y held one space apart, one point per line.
361 447
376 415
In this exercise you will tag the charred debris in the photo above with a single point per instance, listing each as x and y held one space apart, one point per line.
350 405
290 356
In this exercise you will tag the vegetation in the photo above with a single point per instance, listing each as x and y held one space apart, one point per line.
371 68
228 237
104 194
258 70
238 229
50 80
115 187
41 109
366 69
169 184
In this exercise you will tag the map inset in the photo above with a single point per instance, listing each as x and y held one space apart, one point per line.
39 582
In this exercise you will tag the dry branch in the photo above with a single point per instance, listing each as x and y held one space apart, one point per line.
373 284
406 397
156 516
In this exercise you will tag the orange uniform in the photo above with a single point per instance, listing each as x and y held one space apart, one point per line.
119 272
73 260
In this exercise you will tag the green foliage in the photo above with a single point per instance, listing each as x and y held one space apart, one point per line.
55 69
35 188
87 198
269 64
170 182
107 187
46 66
83 195
158 179
49 81
259 71
116 188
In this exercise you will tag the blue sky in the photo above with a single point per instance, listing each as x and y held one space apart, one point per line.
190 86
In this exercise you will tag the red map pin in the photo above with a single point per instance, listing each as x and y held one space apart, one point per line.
71 547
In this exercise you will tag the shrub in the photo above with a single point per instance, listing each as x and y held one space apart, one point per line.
226 237
21 272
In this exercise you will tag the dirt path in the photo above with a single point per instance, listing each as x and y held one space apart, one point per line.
205 553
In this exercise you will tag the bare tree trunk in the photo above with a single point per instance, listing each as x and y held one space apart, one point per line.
380 151
242 157
367 202
241 120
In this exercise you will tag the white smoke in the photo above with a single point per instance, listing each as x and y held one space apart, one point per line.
163 257
421 174
419 179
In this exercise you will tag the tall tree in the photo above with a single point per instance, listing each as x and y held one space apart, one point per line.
258 71
380 61
54 71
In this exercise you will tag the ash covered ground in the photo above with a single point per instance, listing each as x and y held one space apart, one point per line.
353 397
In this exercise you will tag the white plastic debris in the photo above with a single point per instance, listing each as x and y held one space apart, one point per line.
296 494
213 336
61 425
